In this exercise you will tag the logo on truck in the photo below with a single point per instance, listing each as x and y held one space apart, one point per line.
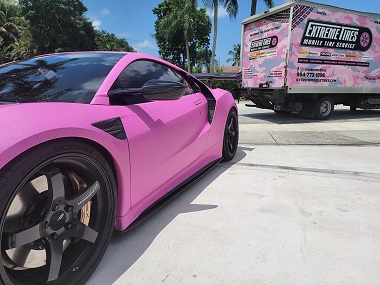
264 43
336 36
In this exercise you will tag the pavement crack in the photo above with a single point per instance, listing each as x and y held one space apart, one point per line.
270 133
351 174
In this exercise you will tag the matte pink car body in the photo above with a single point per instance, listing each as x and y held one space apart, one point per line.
144 172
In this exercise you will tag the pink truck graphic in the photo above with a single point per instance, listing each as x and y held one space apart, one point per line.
307 57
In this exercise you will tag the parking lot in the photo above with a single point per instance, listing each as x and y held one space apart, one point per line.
299 204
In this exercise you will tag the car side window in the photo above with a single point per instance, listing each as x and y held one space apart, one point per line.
137 73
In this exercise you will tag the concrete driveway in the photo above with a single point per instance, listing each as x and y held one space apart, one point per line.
343 128
299 204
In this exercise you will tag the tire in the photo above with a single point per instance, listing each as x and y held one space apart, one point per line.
57 214
231 136
324 108
352 109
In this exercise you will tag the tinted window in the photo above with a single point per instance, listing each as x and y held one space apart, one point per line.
56 78
136 74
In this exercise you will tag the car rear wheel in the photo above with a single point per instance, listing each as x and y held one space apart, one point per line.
231 136
57 214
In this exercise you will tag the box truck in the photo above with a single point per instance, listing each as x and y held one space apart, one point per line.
307 57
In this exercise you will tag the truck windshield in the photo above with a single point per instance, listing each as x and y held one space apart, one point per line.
72 77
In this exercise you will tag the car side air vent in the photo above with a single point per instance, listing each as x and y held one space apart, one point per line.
113 126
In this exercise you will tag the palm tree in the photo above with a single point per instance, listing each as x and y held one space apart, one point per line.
9 30
21 49
182 16
235 53
269 3
231 7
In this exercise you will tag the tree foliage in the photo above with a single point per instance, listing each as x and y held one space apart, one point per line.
268 3
11 26
231 7
109 42
172 28
58 25
235 53
31 27
10 22
181 16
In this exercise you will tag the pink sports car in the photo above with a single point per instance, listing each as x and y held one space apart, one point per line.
89 142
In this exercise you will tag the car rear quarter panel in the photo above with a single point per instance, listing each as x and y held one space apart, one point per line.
224 103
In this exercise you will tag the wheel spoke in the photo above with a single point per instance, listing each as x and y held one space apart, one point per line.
56 185
54 258
230 146
230 125
13 223
78 202
13 240
82 231
20 255
89 234
27 194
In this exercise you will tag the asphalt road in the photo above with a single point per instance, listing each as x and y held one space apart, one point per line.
299 204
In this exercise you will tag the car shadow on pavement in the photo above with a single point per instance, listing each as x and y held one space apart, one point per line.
297 118
126 248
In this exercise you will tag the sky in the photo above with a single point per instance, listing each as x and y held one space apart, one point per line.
134 21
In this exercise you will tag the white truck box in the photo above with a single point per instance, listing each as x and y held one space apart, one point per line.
308 57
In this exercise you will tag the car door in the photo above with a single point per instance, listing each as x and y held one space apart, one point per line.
164 136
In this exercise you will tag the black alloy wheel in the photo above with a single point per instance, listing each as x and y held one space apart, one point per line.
231 136
57 214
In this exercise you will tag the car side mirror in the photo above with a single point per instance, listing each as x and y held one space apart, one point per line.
152 90
121 93
156 89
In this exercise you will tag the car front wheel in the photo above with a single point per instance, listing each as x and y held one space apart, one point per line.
57 214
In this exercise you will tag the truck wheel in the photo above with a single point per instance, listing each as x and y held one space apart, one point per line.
324 108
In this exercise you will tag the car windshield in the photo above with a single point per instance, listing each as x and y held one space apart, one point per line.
72 77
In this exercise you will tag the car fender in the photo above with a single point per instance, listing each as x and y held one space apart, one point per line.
53 121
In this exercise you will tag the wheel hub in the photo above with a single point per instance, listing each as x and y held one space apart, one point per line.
57 221
325 108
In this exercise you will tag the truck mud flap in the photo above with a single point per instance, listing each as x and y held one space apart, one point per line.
267 98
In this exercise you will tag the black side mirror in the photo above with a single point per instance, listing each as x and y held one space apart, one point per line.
152 90
163 90
121 93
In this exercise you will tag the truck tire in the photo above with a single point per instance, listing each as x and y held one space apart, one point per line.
352 108
324 108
